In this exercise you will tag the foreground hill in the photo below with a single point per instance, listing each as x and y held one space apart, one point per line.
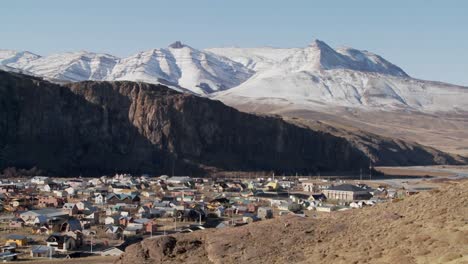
430 227
104 127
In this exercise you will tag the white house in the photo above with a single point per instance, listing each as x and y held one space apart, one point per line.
99 199
45 188
40 180
60 193
111 220
179 180
77 184
40 216
70 190
83 205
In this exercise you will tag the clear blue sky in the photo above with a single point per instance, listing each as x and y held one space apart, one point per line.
428 39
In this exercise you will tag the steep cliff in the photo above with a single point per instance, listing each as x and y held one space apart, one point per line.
94 128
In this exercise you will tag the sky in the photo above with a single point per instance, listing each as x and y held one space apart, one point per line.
428 39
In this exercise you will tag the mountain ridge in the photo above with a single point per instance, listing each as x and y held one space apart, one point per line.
101 127
303 76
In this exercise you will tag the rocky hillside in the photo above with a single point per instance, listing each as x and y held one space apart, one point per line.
94 128
430 227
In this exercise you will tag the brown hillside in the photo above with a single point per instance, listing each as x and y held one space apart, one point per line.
430 227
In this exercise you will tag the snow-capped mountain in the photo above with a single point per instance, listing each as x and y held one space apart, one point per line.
317 56
314 76
16 59
73 66
179 65
318 75
198 71
257 59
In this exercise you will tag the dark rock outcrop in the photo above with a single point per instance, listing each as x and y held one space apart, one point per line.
94 128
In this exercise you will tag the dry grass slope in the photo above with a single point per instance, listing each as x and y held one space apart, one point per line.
430 227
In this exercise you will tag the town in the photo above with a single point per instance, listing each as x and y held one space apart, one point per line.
45 217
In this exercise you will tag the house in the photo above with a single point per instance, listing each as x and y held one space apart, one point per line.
40 251
309 186
40 180
37 217
99 199
83 205
179 180
66 225
347 192
18 240
252 208
143 211
60 193
8 188
148 225
123 198
125 220
49 201
121 189
16 223
61 242
76 184
151 227
317 197
71 191
71 208
132 230
112 220
91 217
45 188
265 213
114 232
43 230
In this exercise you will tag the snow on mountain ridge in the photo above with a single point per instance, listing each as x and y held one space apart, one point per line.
317 56
13 58
199 71
313 75
73 66
342 87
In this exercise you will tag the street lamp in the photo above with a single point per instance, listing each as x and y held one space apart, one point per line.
92 234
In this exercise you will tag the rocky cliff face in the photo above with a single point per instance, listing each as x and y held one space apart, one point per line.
94 128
